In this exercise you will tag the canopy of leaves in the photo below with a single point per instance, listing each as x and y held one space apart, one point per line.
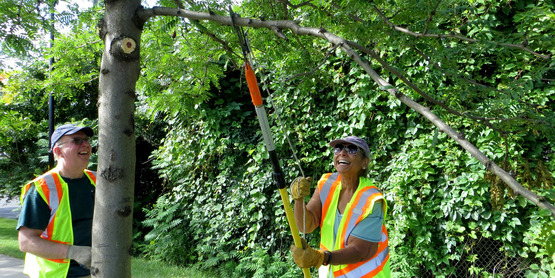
484 67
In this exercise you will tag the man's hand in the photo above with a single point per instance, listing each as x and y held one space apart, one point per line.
81 254
307 257
300 188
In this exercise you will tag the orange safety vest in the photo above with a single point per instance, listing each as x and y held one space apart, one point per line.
54 191
358 208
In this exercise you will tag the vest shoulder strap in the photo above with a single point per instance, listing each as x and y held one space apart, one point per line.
91 175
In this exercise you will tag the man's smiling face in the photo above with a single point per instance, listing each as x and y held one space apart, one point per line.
75 150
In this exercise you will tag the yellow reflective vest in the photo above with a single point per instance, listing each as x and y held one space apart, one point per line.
54 191
357 209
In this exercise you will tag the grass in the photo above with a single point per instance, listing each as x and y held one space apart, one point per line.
140 268
8 238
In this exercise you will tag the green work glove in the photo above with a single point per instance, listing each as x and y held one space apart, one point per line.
81 254
307 257
300 188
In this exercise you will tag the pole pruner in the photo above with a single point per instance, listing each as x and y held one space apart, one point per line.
278 176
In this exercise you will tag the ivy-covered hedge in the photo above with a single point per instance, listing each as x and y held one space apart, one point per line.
224 214
212 202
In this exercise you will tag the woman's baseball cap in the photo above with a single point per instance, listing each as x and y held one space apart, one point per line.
359 142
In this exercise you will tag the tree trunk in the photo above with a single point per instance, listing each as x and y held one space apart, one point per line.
113 213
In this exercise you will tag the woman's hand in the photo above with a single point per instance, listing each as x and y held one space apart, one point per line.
300 188
307 256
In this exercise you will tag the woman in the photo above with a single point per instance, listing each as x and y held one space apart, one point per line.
350 212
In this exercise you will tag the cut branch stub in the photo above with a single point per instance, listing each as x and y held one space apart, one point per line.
124 48
128 45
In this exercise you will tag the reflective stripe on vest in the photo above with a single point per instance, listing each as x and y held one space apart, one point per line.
359 207
376 263
326 187
51 189
54 191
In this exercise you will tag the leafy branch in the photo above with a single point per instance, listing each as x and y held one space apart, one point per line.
377 57
479 85
431 16
486 121
452 35
205 31
346 46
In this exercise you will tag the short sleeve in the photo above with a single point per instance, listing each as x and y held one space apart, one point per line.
370 228
35 213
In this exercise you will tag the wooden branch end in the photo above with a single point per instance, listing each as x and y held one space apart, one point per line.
124 48
128 45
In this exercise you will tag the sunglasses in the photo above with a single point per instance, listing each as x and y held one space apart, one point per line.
351 149
77 141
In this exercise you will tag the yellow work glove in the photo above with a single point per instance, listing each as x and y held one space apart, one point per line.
81 254
307 257
300 188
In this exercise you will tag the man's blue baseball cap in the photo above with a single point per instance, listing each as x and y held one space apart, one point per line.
68 129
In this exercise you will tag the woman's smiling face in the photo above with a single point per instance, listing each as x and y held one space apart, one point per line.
348 164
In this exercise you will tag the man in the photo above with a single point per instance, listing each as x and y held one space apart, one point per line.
55 223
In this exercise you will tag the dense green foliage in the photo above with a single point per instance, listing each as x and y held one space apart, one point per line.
24 123
215 205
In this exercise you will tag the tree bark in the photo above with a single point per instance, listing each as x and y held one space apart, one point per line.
113 214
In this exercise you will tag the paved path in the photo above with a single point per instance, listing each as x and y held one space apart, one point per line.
11 267
9 208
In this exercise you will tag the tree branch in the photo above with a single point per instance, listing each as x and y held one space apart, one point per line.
532 105
305 3
205 31
459 138
413 86
452 35
346 47
430 17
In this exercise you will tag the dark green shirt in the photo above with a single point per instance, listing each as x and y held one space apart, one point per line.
35 214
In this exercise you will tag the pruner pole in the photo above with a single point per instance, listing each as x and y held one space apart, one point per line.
277 175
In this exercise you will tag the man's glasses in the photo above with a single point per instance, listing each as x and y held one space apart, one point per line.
351 149
77 140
